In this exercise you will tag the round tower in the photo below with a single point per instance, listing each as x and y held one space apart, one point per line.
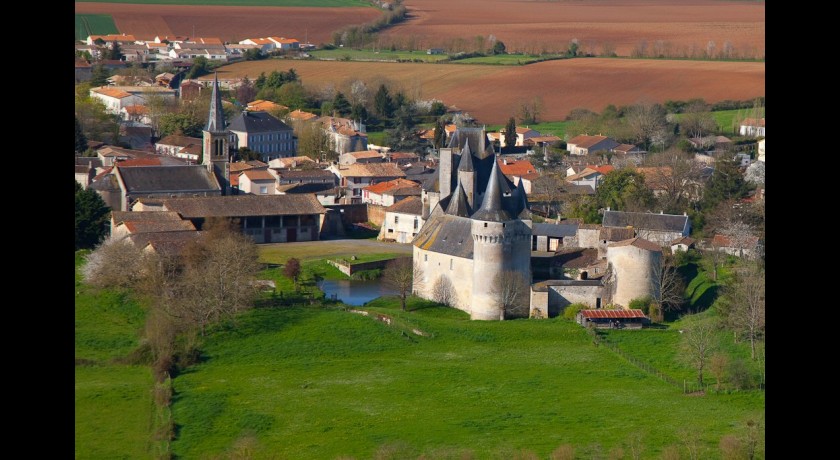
635 267
501 242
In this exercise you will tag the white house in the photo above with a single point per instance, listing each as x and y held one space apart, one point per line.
257 182
584 145
282 43
592 176
402 220
357 176
390 192
752 127
116 98
266 45
761 150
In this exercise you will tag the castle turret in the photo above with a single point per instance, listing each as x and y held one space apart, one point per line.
466 174
216 150
635 266
500 243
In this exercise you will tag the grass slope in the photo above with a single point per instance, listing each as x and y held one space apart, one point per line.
113 401
319 383
311 3
94 24
380 55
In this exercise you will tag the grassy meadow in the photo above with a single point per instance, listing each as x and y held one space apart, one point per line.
378 55
113 406
304 382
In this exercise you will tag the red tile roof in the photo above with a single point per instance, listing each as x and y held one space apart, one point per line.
383 187
603 169
301 115
515 167
111 92
366 154
139 162
752 122
612 314
258 174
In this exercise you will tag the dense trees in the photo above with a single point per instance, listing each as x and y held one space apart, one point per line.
383 105
91 218
624 190
81 140
510 134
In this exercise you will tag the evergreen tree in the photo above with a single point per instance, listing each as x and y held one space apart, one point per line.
726 183
99 75
359 112
259 83
624 190
91 218
440 134
383 105
115 53
499 48
510 134
403 137
340 104
81 140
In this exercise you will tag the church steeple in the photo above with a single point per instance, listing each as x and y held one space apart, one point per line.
216 122
216 150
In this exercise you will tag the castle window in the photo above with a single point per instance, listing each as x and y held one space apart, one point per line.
425 257
451 264
485 225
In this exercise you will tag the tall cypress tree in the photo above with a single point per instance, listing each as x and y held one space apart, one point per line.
510 134
382 102
81 140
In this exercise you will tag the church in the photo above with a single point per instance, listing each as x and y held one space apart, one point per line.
478 226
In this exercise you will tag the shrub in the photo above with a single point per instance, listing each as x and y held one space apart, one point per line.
571 311
740 375
731 448
642 303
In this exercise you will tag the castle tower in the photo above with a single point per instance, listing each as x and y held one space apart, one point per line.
635 265
216 150
501 242
466 174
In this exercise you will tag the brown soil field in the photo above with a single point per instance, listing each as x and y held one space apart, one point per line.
534 26
493 93
229 23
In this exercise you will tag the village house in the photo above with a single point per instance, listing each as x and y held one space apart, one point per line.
345 135
292 163
136 113
285 44
300 115
238 167
711 143
266 45
402 158
364 156
306 176
660 228
522 136
627 149
746 247
591 176
353 178
752 127
83 70
390 192
116 98
179 146
257 182
265 106
585 145
266 219
682 244
402 221
549 237
190 90
263 134
110 39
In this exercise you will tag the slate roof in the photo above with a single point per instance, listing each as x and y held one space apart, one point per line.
411 205
640 243
458 205
576 257
646 221
257 122
216 118
586 142
491 205
686 240
144 179
245 205
476 137
447 234
554 230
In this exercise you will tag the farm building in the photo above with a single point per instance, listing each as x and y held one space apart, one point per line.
612 319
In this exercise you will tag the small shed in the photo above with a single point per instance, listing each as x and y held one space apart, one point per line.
612 319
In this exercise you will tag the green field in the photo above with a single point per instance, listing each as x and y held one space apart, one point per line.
380 55
548 128
113 401
506 59
313 3
318 383
94 24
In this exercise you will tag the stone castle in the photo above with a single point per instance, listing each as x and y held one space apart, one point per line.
478 225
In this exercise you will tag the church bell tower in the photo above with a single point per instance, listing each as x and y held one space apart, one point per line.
216 149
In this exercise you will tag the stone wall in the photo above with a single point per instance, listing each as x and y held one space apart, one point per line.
376 214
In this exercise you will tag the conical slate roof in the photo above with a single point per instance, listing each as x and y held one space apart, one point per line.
458 205
491 206
466 164
216 121
523 207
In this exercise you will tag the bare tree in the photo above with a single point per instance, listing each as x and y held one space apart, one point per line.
512 291
675 178
717 366
404 276
444 292
697 121
755 173
671 295
646 120
698 343
746 293
218 276
292 270
691 441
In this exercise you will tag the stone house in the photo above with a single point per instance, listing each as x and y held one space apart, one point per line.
402 220
390 192
660 228
584 145
263 134
355 177
257 182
